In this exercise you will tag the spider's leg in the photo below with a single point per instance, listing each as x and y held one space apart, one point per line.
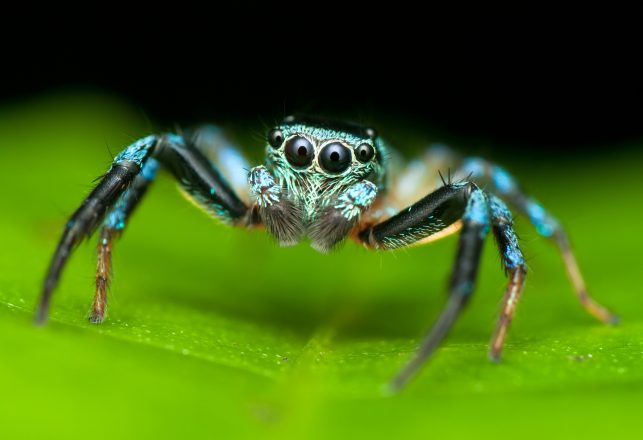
87 217
432 214
505 186
514 264
190 167
224 156
113 227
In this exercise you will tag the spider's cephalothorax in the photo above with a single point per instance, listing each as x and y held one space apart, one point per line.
318 178
329 181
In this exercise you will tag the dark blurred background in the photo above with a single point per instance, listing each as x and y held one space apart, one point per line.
578 95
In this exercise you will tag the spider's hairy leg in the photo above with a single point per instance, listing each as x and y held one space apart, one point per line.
111 198
514 265
208 140
341 215
506 187
86 218
430 215
113 226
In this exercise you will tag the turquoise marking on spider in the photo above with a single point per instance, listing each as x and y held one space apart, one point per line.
150 169
477 209
138 151
473 166
356 199
503 180
264 187
502 218
545 224
117 217
499 209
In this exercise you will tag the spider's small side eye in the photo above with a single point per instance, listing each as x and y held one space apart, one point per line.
335 158
371 132
275 138
299 152
364 153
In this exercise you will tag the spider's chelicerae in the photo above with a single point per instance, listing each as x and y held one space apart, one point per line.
329 181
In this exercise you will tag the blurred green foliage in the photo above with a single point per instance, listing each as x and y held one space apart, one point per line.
218 333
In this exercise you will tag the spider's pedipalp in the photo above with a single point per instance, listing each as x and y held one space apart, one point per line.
341 215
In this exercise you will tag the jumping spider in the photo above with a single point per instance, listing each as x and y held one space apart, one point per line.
327 181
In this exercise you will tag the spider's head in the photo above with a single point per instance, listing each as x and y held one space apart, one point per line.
315 159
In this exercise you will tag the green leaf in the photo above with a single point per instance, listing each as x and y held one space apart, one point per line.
218 333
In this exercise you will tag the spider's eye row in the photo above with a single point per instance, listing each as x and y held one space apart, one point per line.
299 152
275 138
335 158
364 153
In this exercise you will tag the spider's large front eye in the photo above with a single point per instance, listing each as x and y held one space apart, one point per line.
275 138
299 152
364 153
335 158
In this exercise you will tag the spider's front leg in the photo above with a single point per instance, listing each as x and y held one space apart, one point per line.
121 189
452 205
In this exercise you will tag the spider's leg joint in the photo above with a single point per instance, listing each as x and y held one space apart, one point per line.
477 210
502 180
507 239
138 151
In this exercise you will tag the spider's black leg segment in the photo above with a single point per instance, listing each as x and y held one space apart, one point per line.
430 215
340 216
514 265
86 218
200 180
113 226
546 225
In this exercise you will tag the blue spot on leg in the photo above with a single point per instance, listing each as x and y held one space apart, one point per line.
117 217
502 221
545 224
502 180
474 166
138 151
477 210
